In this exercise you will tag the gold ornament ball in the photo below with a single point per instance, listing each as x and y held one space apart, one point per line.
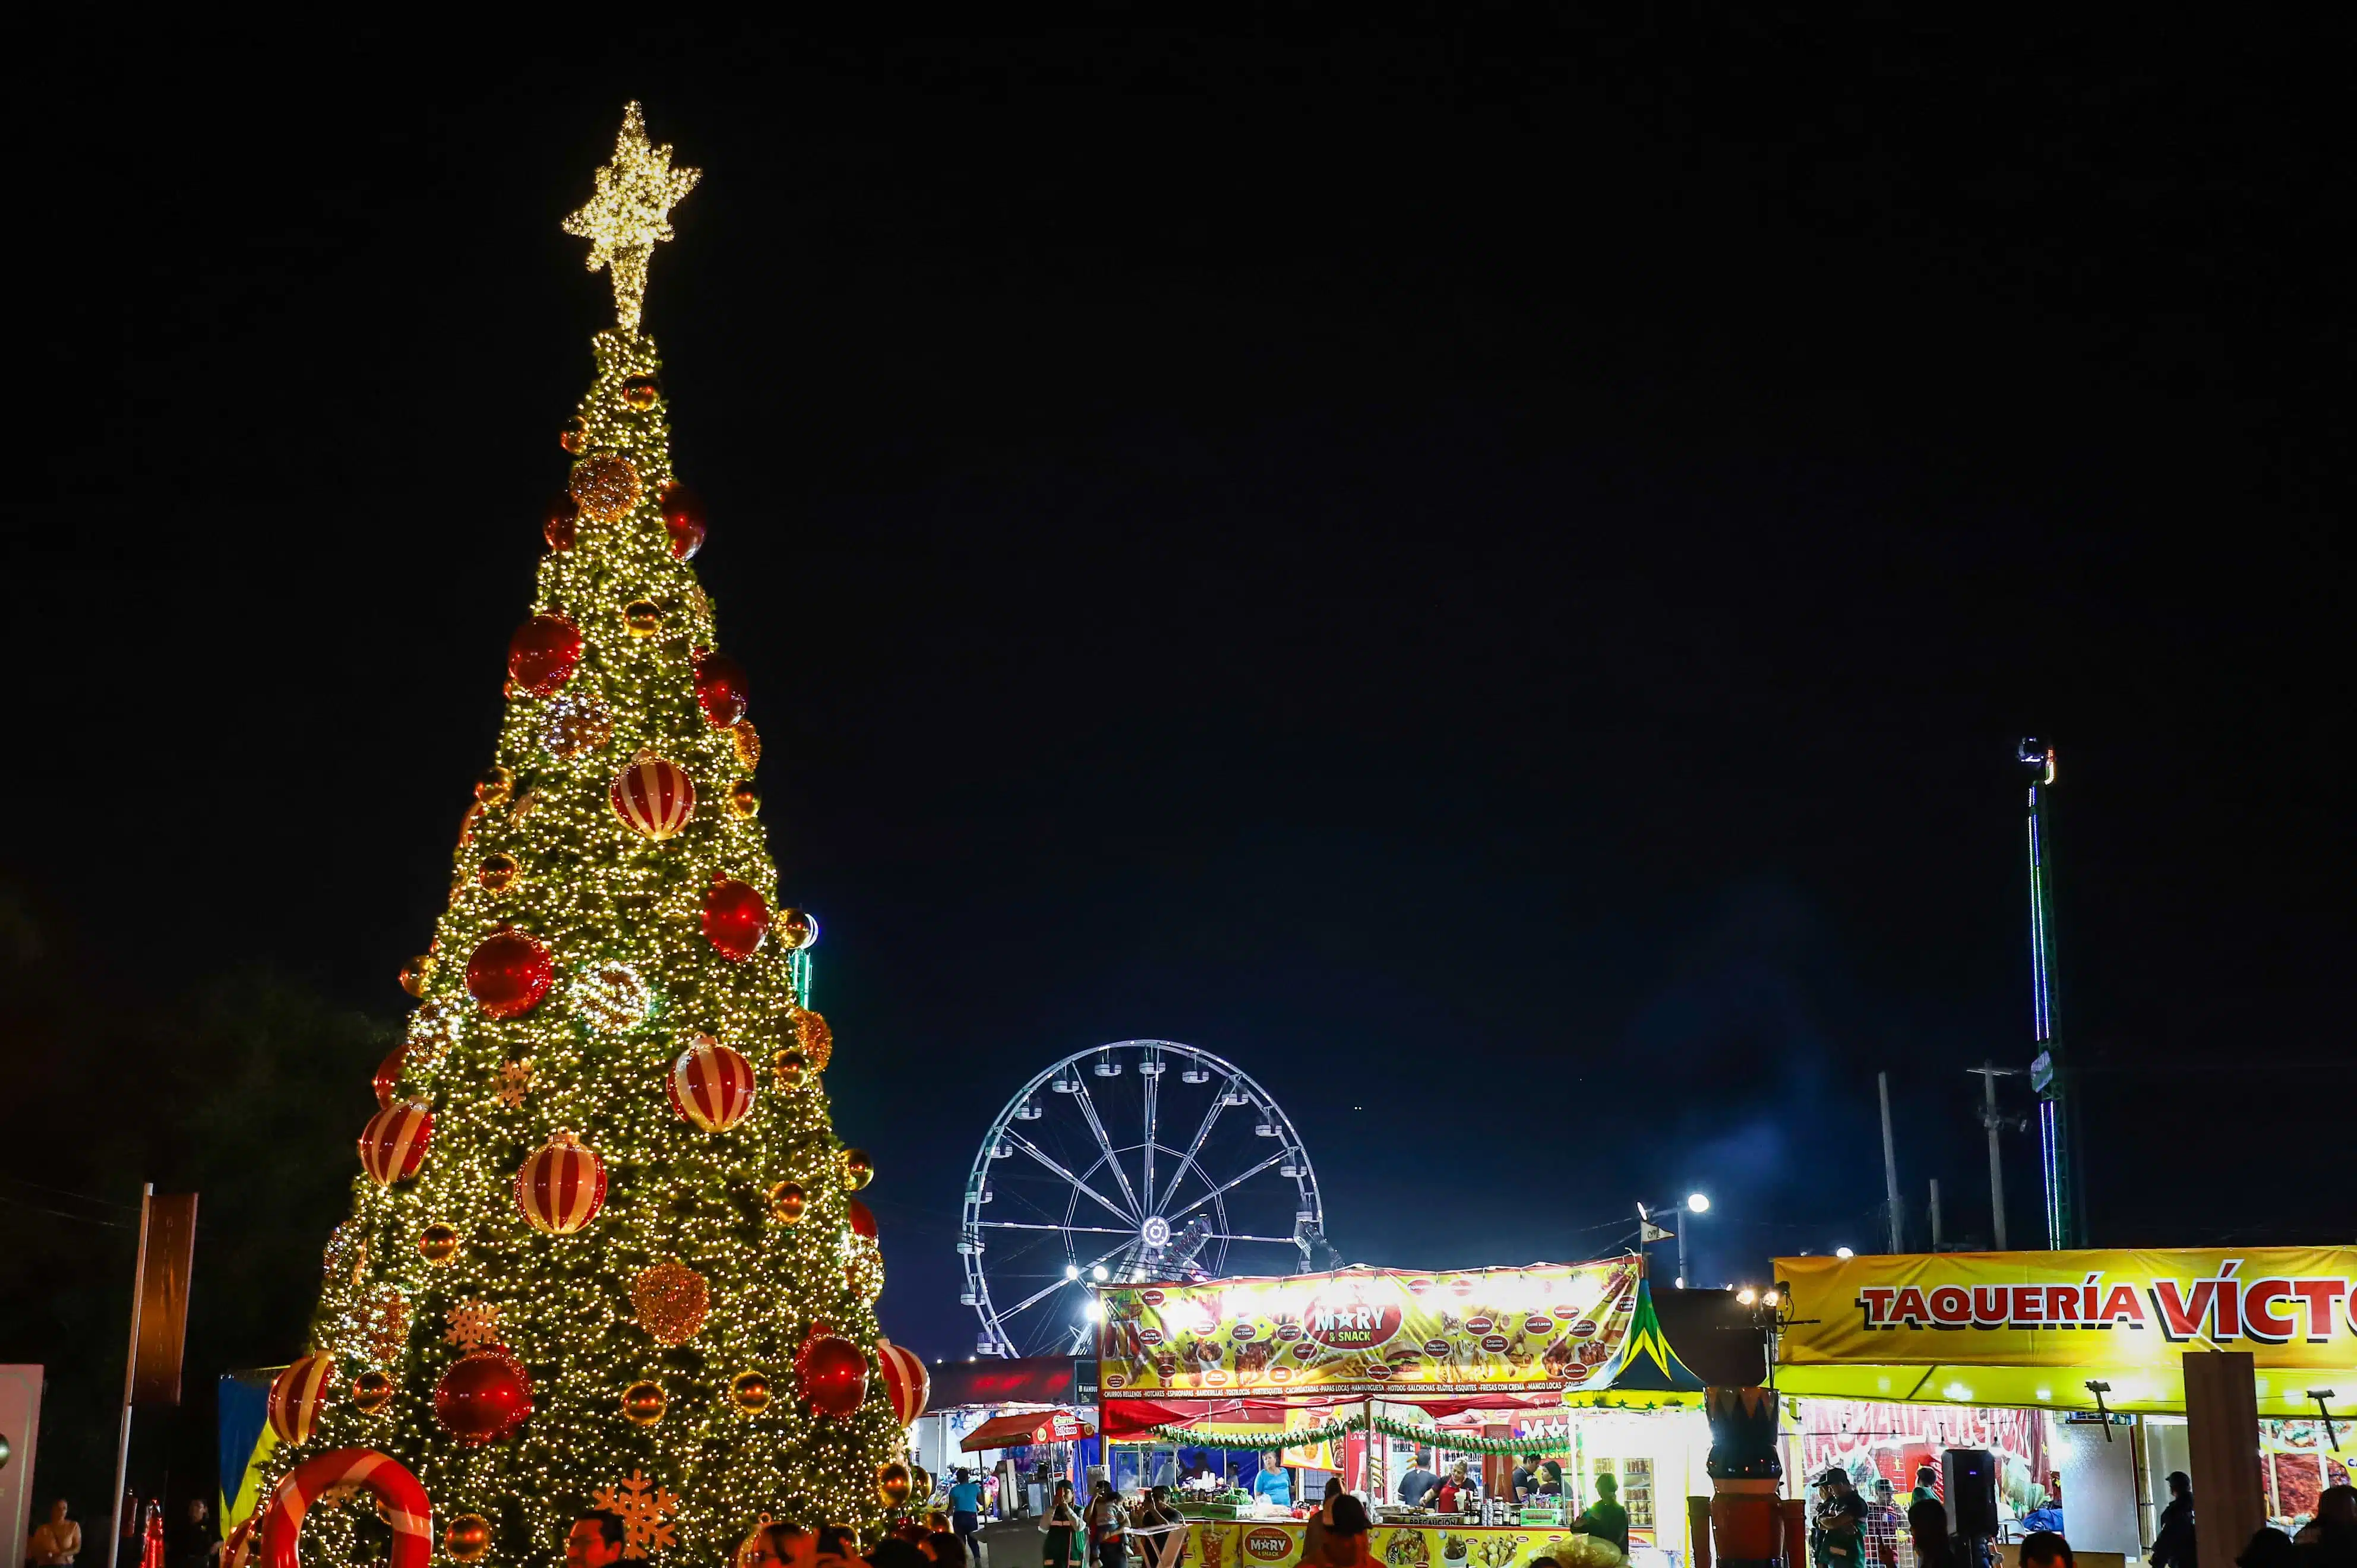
920 1480
605 486
748 744
791 1066
575 437
892 1484
371 1391
643 1403
744 800
857 1169
795 929
643 616
642 393
439 1244
787 1202
416 973
749 1392
497 874
467 1538
493 787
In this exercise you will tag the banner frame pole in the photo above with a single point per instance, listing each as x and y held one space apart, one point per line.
130 1372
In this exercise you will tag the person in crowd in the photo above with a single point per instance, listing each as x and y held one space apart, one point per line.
1273 1484
1344 1544
1607 1521
56 1544
1837 1524
946 1548
1927 1520
1322 1520
2045 1549
965 1504
1062 1525
1160 1531
2047 1515
838 1547
1455 1491
897 1551
1882 1521
2268 1548
2173 1546
195 1544
595 1540
1419 1482
1108 1527
1551 1483
2335 1523
1526 1478
773 1546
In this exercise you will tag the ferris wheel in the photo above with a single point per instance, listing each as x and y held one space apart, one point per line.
1137 1160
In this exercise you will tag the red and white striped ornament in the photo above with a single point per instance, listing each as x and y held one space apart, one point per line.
561 1188
711 1085
905 1382
653 796
392 1144
298 1395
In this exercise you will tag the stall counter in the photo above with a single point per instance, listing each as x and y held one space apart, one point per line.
1276 1543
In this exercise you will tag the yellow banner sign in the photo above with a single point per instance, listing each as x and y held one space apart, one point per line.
1539 1329
2290 1307
1271 1544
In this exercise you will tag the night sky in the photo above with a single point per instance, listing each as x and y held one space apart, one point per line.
1487 572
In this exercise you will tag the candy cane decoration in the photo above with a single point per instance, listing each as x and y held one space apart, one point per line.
278 1526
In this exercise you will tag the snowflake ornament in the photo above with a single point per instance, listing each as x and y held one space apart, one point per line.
473 1325
644 1509
515 1082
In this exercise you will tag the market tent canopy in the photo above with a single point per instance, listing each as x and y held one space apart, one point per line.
2035 1328
1028 1427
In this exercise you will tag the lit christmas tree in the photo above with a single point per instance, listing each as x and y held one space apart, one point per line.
604 1252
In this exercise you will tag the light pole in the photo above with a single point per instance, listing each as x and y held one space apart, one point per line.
1696 1203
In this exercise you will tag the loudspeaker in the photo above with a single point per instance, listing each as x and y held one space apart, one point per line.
1968 1480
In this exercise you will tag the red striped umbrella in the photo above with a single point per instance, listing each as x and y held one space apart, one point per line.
392 1144
653 796
711 1085
561 1188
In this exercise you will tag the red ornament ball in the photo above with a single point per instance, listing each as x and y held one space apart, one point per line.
561 1188
711 1085
653 796
833 1375
562 526
682 515
484 1397
862 1219
394 1144
720 689
388 1075
509 974
735 918
543 652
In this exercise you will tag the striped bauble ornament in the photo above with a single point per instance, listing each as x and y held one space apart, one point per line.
298 1395
710 1085
653 796
561 1188
392 1144
905 1382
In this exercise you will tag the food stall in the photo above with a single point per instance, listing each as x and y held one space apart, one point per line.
1372 1364
968 1396
2069 1366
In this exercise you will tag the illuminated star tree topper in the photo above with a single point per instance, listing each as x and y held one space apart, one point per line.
632 213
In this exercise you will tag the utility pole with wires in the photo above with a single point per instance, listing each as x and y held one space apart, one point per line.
1988 1073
